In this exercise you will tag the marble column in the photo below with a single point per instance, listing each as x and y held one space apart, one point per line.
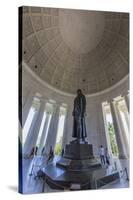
106 110
100 127
34 129
69 126
27 106
26 91
126 115
123 132
42 140
66 131
122 154
52 132
126 97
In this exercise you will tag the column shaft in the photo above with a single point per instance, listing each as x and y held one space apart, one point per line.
34 129
123 133
107 133
42 140
67 131
127 119
52 132
26 107
117 132
70 125
127 101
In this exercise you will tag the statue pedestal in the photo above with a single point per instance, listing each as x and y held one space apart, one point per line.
78 168
78 151
78 157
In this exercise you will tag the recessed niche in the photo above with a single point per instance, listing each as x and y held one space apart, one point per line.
35 66
24 52
83 80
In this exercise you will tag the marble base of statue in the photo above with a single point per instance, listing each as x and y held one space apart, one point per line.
78 168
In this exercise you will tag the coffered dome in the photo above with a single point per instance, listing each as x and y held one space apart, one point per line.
84 29
71 49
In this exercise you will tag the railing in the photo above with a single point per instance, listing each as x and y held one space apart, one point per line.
123 173
99 181
39 166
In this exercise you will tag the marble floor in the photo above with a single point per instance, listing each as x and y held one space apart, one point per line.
30 169
32 185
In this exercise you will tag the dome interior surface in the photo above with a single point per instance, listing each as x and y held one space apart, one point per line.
71 49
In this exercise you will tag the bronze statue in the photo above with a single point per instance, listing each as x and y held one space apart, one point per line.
79 112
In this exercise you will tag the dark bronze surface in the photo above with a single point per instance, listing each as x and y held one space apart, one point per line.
78 151
79 110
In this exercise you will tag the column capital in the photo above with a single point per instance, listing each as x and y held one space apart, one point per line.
112 102
43 101
56 107
126 93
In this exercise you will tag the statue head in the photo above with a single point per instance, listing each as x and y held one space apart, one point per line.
79 91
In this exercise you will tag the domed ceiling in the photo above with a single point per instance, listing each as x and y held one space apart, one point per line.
71 49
